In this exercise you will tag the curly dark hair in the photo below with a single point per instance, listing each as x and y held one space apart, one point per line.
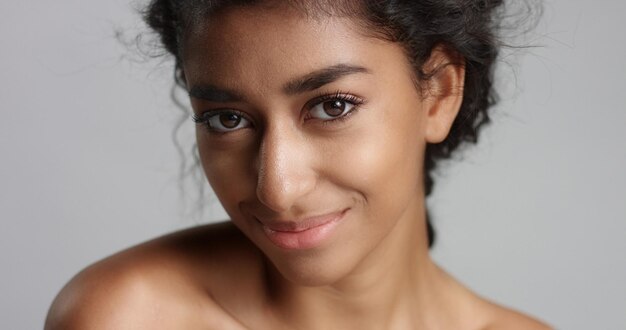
466 27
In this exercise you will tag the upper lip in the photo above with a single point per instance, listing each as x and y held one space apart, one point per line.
302 224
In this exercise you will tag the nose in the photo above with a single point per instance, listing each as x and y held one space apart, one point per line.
285 172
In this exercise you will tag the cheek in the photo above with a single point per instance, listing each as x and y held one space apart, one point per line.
227 170
382 160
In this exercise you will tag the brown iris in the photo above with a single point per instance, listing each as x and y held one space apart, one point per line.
334 108
230 120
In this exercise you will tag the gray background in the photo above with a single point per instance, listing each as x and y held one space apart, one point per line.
533 217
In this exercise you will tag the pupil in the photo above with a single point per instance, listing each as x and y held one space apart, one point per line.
230 120
334 108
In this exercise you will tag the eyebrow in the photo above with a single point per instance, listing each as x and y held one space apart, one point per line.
308 82
214 94
319 78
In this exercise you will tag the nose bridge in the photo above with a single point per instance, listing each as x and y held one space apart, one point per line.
284 174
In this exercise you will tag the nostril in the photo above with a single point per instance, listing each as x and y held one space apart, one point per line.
280 190
275 193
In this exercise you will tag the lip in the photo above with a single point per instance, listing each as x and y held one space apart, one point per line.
303 234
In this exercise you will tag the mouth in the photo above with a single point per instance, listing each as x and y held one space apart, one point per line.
305 234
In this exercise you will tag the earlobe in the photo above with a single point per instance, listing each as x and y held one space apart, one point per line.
444 92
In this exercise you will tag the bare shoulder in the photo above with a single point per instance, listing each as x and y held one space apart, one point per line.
505 318
165 283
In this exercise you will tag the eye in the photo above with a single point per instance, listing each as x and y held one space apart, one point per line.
223 121
332 107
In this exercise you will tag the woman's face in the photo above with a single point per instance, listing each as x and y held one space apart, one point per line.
313 136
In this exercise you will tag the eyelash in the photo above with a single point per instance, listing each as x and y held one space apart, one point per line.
205 117
337 96
319 99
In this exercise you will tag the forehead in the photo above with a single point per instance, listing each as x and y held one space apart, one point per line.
266 46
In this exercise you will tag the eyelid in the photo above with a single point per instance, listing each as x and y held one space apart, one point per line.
337 95
355 101
206 116
202 117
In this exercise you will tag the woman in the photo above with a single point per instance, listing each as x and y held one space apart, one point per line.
319 125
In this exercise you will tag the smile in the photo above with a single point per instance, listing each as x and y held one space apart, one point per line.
306 234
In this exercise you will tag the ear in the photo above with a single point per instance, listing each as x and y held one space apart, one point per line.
444 91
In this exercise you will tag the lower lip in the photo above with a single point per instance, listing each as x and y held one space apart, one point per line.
305 239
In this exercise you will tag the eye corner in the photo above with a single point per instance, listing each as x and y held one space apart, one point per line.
198 119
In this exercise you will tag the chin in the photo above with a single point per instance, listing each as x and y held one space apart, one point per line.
310 269
310 277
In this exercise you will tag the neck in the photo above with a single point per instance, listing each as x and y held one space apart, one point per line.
396 286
